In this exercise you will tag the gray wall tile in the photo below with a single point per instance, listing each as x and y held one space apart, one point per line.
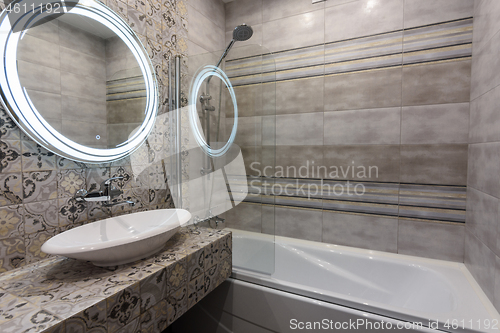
484 120
431 240
299 223
484 60
212 9
486 22
194 50
385 158
204 32
243 11
481 262
247 47
76 85
30 48
124 111
484 164
364 231
48 104
293 32
249 99
482 217
363 18
268 219
295 157
245 216
77 39
269 130
40 78
330 3
496 295
431 124
418 13
85 132
371 133
82 64
249 130
300 96
437 83
299 129
444 164
363 90
277 9
377 126
48 32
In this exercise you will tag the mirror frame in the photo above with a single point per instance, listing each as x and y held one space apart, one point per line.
17 103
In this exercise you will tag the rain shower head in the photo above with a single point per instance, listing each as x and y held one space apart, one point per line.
242 33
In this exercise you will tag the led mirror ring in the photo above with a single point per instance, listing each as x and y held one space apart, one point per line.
18 104
204 74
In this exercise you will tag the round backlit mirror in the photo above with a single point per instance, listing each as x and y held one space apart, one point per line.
80 84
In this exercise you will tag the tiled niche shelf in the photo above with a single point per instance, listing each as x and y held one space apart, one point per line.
60 295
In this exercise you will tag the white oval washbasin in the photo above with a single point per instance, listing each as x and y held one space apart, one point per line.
119 240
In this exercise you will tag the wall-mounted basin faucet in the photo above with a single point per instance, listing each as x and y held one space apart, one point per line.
105 194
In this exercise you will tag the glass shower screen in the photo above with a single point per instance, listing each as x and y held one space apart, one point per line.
229 136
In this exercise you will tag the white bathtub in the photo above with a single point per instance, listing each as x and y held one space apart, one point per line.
312 281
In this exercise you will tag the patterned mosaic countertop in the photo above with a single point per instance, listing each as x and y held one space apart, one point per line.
59 295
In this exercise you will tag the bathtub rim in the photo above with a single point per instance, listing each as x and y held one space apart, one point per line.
475 290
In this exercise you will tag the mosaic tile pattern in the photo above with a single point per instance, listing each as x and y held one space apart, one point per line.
65 295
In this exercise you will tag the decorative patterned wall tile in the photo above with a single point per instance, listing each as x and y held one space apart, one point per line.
95 177
133 327
40 216
196 290
176 275
11 221
12 253
118 7
71 302
96 211
34 243
11 190
155 319
35 321
111 298
13 306
92 318
71 211
139 5
177 304
153 289
154 10
39 186
137 20
195 264
10 156
8 129
70 181
129 178
58 328
123 307
139 270
35 158
64 163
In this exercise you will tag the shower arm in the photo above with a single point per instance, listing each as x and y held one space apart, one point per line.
228 48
